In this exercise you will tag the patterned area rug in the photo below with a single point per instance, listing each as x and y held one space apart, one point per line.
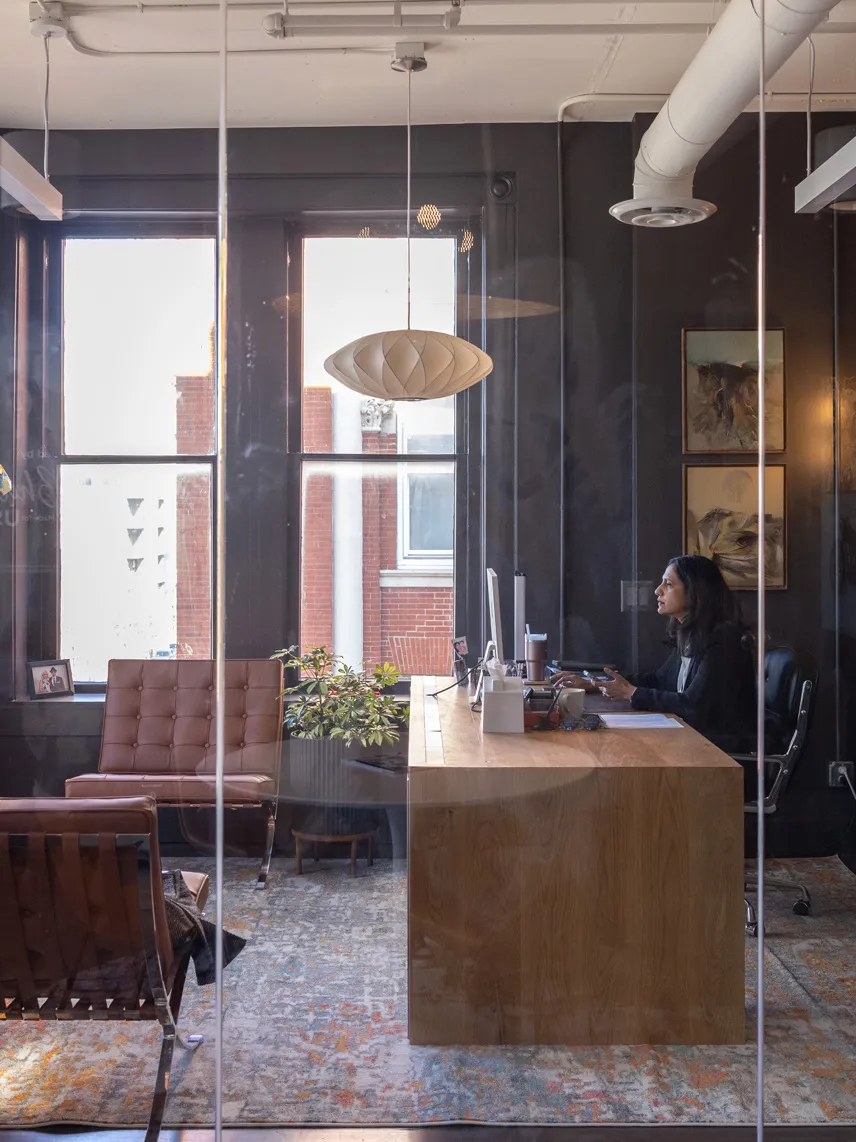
315 1017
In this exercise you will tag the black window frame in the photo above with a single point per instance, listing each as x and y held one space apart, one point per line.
40 451
468 534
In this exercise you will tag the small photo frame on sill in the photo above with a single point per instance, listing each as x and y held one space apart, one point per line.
50 679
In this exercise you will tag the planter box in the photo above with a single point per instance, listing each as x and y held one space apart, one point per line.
340 791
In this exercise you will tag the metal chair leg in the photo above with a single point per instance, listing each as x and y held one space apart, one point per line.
161 1084
271 832
751 918
801 906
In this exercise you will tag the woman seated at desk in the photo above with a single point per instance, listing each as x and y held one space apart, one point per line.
709 679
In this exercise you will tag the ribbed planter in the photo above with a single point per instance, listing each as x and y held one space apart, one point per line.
315 774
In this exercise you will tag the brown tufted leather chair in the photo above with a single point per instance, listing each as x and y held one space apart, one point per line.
83 926
159 739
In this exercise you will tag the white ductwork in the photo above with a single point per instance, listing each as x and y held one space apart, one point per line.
718 85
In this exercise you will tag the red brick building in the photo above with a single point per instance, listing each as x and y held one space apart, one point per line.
194 436
407 615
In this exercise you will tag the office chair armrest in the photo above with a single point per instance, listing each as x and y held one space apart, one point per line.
770 758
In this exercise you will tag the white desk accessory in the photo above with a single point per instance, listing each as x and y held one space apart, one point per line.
501 702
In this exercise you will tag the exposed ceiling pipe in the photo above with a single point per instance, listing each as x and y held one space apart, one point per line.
506 31
298 49
634 102
306 6
718 85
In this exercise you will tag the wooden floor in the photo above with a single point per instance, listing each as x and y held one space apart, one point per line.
461 1134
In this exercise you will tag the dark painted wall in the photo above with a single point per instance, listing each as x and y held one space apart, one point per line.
628 295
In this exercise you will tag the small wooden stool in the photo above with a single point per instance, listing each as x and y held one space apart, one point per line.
316 838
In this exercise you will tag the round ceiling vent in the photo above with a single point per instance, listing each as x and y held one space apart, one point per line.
662 214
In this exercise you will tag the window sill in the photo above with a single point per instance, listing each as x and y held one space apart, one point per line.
64 700
405 577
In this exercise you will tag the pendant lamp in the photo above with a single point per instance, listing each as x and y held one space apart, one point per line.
409 364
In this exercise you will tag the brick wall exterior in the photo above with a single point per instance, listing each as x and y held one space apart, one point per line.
316 588
408 626
194 436
193 567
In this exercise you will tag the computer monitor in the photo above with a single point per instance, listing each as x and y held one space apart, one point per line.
495 616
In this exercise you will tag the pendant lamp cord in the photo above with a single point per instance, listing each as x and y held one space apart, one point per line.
47 106
409 77
811 63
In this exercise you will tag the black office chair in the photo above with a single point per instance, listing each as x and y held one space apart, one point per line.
789 691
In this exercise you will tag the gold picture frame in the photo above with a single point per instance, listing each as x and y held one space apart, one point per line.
720 503
719 379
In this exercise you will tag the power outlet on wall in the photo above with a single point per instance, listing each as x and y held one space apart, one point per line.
837 771
636 594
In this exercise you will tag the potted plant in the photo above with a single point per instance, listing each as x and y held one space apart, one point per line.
334 715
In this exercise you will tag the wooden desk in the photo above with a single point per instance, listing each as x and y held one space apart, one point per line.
573 888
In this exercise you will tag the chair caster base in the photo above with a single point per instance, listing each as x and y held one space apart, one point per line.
190 1042
802 907
752 930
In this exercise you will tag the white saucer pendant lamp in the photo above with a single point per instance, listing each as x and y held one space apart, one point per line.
409 364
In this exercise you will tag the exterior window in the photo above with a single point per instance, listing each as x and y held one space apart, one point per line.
136 471
377 533
426 494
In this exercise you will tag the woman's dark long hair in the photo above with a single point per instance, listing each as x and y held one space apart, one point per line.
710 601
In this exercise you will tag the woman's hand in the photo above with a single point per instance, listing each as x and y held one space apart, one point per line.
566 678
618 688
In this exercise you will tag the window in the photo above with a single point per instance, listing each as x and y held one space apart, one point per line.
136 470
377 533
426 492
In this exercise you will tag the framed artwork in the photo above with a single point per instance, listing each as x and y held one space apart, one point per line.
847 434
720 374
50 679
721 522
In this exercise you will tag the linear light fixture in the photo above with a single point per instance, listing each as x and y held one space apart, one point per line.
22 182
831 179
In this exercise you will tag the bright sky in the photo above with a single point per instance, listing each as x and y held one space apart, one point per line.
137 314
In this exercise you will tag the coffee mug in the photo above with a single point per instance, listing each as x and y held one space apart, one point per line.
571 702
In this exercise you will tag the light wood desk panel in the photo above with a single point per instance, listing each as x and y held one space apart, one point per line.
576 888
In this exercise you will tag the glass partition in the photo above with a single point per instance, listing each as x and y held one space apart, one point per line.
810 897
443 713
107 547
463 922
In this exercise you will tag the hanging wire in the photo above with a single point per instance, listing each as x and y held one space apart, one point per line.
47 106
409 78
762 550
808 162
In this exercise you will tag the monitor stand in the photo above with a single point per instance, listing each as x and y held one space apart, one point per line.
489 654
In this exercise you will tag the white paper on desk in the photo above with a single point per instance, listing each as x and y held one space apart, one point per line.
639 722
